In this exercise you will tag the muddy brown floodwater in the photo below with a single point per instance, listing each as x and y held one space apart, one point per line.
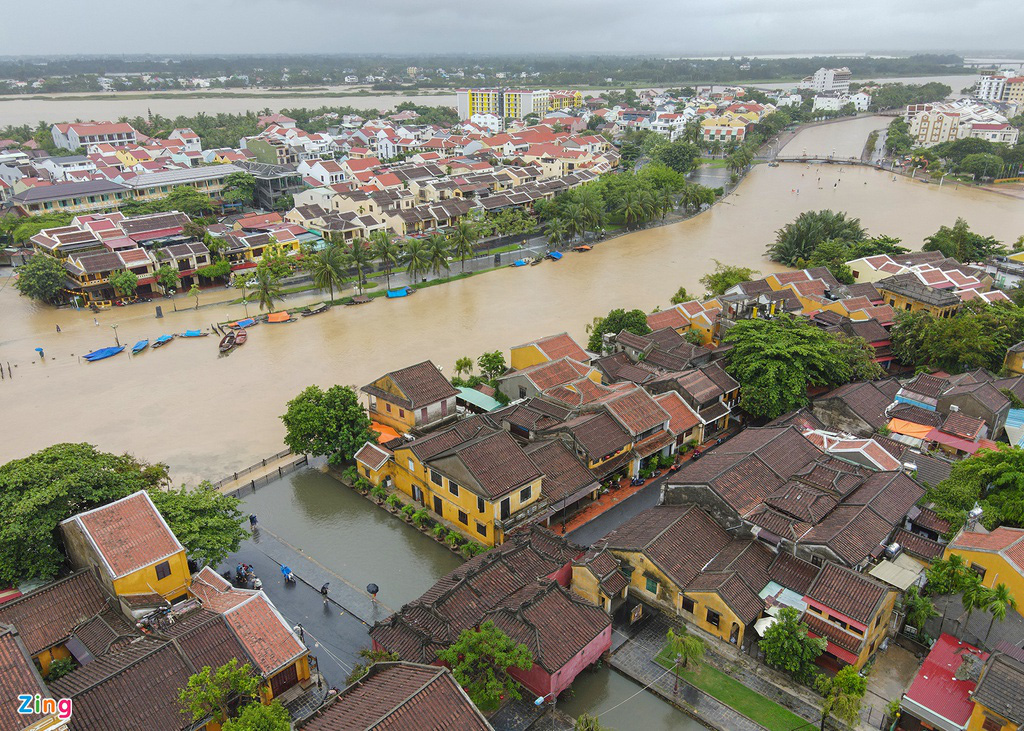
207 416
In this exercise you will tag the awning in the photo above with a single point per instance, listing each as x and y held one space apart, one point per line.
386 432
762 625
480 400
909 428
948 440
895 575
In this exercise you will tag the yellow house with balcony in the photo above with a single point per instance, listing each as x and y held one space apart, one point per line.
132 550
998 698
416 397
997 557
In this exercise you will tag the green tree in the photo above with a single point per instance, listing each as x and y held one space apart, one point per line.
267 289
726 276
680 296
464 366
438 250
240 187
614 322
586 722
556 232
208 523
492 364
981 165
919 609
991 478
209 692
786 645
842 695
776 360
359 670
193 291
325 267
962 244
220 268
416 259
330 422
359 257
167 277
189 201
795 242
480 660
973 596
680 155
998 601
260 717
385 251
464 238
874 246
833 255
41 278
682 648
39 491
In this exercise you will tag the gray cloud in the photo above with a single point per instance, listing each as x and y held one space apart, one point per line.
669 27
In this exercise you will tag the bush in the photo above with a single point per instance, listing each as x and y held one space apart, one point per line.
60 668
363 485
420 517
408 511
351 474
393 501
453 539
440 530
379 492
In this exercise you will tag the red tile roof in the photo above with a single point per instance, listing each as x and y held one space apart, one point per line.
682 418
843 590
562 346
17 676
47 616
636 410
1000 539
264 634
129 534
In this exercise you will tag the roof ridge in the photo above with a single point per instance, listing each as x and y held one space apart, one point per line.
433 679
118 671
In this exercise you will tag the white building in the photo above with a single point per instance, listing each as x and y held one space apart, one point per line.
488 121
789 100
60 167
933 124
188 138
991 88
861 100
73 136
829 103
828 81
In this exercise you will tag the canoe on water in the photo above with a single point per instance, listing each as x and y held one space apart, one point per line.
317 309
193 334
162 340
227 342
140 346
103 353
240 337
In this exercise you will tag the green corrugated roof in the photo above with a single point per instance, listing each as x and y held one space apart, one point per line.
480 400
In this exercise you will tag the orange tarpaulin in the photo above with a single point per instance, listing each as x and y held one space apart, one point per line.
278 317
386 432
909 428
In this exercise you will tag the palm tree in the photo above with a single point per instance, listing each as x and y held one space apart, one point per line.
463 239
974 596
267 288
386 251
649 205
666 202
592 205
437 252
326 266
417 259
575 220
693 131
999 601
358 256
631 207
683 647
556 232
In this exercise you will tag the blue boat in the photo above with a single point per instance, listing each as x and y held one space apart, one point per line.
248 322
393 293
555 255
140 346
103 353
519 263
192 334
162 340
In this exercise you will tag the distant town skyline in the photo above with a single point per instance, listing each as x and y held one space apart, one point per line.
661 27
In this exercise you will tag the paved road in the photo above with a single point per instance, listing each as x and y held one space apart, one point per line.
612 518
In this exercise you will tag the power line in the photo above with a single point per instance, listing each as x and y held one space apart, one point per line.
609 710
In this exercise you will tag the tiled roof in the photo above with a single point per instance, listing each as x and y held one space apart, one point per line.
792 572
103 667
1001 688
865 400
561 346
911 287
421 384
400 696
551 621
834 634
372 456
931 470
928 518
47 616
852 532
490 465
129 534
605 567
917 415
18 675
564 476
206 639
265 635
927 385
636 410
985 393
553 373
918 545
961 425
599 434
1000 539
847 592
681 416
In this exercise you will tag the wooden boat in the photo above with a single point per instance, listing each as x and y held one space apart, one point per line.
359 299
240 337
536 261
227 342
322 307
103 353
140 346
277 317
162 340
582 247
400 292
193 334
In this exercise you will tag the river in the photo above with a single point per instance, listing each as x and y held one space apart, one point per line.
207 416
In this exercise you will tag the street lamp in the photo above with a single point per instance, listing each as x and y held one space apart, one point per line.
118 342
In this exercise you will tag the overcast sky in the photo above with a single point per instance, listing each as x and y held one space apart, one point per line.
666 27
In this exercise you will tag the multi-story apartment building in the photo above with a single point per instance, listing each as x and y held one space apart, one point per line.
1013 92
73 136
514 103
933 124
828 81
991 88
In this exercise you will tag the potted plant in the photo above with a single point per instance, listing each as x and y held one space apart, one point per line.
407 512
363 486
393 503
439 532
379 494
453 539
420 518
350 474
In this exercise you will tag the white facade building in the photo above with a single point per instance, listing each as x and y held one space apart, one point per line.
828 81
991 88
73 136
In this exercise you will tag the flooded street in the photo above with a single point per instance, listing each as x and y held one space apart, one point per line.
207 416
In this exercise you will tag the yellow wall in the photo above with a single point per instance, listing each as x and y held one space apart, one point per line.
144 580
899 303
1014 362
980 713
60 652
398 418
702 602
585 584
997 570
877 630
525 356
301 669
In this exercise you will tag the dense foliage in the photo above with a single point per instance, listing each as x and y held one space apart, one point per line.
962 244
842 694
210 692
615 321
327 423
41 278
726 276
796 242
480 660
787 646
892 96
206 522
775 361
993 479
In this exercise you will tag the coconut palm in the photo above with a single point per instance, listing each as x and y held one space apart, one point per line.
416 258
267 288
556 232
631 207
438 251
665 201
326 267
693 131
592 207
358 257
999 601
464 237
384 250
974 596
649 205
575 221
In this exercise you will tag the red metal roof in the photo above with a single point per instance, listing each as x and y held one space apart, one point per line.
936 688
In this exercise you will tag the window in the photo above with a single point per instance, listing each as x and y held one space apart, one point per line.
481 529
979 570
453 488
412 466
522 392
878 621
463 518
481 505
435 477
907 306
713 618
652 585
991 724
387 407
526 493
688 604
401 413
163 570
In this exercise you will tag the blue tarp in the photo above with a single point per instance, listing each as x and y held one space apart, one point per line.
392 293
164 338
519 263
556 255
139 346
246 323
103 353
192 334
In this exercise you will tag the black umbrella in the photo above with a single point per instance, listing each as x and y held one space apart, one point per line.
372 588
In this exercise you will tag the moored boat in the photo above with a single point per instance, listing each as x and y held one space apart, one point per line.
103 353
193 334
140 346
227 342
317 309
162 340
240 337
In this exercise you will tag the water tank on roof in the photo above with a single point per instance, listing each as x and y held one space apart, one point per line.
893 550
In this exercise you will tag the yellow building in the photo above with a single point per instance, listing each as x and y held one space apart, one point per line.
598 578
997 557
547 349
132 549
998 698
906 293
1014 360
417 397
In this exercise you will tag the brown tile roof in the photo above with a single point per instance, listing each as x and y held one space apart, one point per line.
848 593
667 318
961 425
918 545
128 534
18 675
372 456
890 494
927 385
265 635
103 667
792 572
400 696
999 688
490 465
47 616
928 518
554 623
554 373
1000 539
206 639
605 567
917 415
106 629
836 635
681 417
421 384
619 367
564 476
636 410
599 434
864 399
852 532
561 346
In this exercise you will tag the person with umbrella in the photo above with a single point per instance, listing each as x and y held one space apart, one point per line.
323 592
372 590
289 578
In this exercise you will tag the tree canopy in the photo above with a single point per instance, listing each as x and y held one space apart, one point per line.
786 645
480 660
776 360
962 244
41 278
330 422
842 694
209 692
994 479
208 523
615 321
726 276
259 717
796 241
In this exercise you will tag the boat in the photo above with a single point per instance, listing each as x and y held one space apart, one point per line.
162 340
322 307
103 353
240 337
555 255
400 292
227 342
247 322
193 334
359 299
582 247
519 263
140 346
536 261
282 316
